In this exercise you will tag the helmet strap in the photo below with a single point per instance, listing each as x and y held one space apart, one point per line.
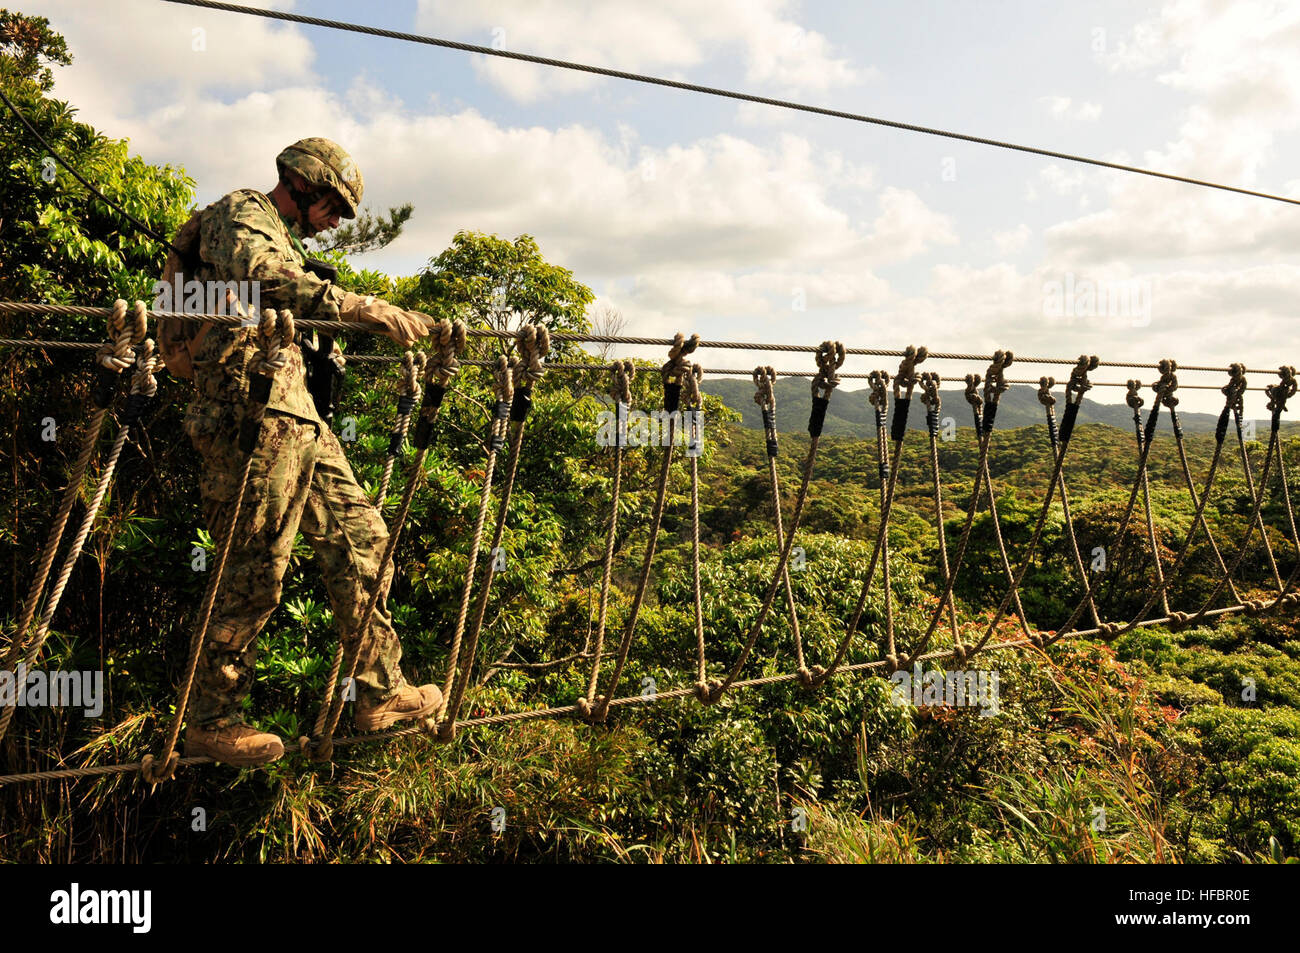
304 201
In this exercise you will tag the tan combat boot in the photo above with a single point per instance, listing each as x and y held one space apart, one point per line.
239 745
409 702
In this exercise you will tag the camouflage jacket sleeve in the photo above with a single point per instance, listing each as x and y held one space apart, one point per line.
244 238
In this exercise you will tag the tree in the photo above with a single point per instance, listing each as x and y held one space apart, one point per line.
503 285
368 232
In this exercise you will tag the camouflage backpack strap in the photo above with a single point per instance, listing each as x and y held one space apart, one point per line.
177 339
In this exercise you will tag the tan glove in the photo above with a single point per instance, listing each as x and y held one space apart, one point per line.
404 327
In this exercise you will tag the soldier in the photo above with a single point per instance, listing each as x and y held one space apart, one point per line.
300 479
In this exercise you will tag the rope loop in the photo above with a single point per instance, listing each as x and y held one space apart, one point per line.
1079 384
503 378
1045 396
1281 392
414 365
1235 388
764 381
907 378
1108 631
146 365
995 384
1167 384
621 390
274 334
448 344
155 775
1134 397
691 385
806 677
930 392
533 343
675 368
878 381
972 392
116 353
960 652
830 358
1178 620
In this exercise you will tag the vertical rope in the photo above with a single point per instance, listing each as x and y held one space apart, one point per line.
596 707
621 392
440 368
534 343
143 387
408 390
110 360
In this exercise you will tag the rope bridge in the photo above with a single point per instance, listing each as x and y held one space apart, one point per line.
426 377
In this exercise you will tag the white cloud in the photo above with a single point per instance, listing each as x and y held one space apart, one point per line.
670 36
1063 107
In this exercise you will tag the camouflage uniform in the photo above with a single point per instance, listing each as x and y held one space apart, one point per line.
299 479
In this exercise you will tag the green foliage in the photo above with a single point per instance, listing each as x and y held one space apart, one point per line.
1186 743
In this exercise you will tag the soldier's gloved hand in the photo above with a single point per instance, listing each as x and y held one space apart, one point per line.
404 327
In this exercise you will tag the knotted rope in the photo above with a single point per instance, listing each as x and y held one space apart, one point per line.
621 393
595 707
440 367
533 344
408 395
830 358
110 360
143 387
933 404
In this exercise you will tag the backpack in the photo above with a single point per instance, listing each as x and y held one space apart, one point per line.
178 340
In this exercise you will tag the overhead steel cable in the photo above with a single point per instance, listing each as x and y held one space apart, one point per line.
716 91
53 154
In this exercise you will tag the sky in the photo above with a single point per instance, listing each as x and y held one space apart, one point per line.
747 222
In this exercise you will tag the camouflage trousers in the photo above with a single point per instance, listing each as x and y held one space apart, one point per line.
299 481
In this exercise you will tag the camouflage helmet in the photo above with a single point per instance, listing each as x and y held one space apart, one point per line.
325 165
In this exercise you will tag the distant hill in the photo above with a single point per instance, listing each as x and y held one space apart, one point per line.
851 414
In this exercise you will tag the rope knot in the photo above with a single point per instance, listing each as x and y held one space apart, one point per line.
1134 398
122 336
1108 631
1235 388
1167 384
960 652
995 384
146 365
621 390
1045 395
1079 384
153 774
413 371
533 343
906 378
764 381
879 382
1282 391
691 385
830 358
892 661
930 392
448 344
1178 620
675 368
805 677
972 391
